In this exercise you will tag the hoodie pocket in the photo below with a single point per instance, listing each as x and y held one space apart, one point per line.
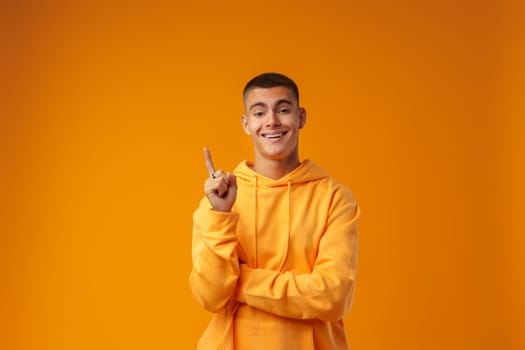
278 334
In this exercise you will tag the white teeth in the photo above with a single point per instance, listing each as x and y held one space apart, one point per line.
273 136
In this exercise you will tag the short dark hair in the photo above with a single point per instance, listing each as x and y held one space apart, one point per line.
270 80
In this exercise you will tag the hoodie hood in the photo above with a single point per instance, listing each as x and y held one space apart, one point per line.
307 171
268 206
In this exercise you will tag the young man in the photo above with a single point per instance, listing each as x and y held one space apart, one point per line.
275 243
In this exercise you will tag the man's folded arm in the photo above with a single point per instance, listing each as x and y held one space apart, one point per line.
326 293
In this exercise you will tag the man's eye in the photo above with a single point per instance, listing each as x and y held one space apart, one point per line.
258 114
284 110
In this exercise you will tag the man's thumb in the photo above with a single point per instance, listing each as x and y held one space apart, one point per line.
233 180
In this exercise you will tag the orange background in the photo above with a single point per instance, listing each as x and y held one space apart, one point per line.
417 106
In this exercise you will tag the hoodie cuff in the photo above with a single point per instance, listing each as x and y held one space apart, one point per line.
245 277
216 227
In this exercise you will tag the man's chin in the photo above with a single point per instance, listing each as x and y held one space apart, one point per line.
276 156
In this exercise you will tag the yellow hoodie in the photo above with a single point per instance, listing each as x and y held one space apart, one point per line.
278 272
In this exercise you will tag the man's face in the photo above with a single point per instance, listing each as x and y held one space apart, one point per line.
273 118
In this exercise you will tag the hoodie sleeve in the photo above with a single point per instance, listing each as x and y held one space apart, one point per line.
325 293
215 263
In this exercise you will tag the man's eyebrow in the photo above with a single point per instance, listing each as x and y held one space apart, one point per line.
257 104
283 101
262 104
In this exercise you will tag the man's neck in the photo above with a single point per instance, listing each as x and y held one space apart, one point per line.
275 169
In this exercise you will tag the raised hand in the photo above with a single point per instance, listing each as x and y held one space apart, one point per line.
220 187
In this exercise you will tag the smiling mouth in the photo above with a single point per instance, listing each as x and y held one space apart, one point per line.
274 136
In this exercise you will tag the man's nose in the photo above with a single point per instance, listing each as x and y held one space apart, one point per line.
272 120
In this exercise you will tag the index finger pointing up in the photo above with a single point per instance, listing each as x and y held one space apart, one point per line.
209 162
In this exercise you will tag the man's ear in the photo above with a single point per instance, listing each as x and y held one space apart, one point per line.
302 118
244 123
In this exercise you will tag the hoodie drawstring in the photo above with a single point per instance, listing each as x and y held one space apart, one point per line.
285 256
255 218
